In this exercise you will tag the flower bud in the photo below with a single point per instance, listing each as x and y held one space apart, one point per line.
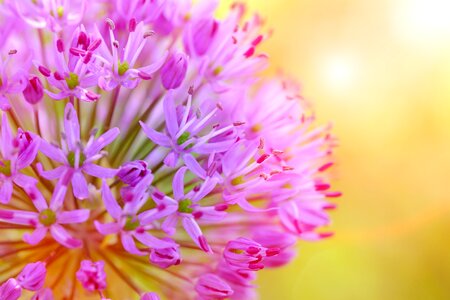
165 257
92 275
150 296
33 92
10 290
174 71
133 172
32 276
201 36
211 286
248 255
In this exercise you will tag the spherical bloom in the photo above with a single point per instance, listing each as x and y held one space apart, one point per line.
144 156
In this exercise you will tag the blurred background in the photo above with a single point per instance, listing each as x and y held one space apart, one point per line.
380 70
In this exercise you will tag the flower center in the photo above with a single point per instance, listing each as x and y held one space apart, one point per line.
237 180
71 159
183 138
47 217
123 67
5 167
184 206
72 81
60 11
131 223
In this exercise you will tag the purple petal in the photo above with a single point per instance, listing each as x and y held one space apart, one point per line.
152 68
51 174
171 114
6 190
19 217
156 137
195 233
36 197
52 152
73 216
71 126
59 194
98 171
63 237
36 236
26 157
178 183
194 166
24 181
205 189
152 242
6 144
129 245
102 141
110 203
108 228
80 186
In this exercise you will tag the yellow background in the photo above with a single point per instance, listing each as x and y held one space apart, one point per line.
380 70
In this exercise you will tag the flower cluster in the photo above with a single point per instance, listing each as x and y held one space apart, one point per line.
144 156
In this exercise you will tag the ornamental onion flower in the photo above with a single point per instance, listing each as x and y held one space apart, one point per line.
144 156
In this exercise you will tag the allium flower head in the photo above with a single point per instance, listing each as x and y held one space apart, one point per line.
144 156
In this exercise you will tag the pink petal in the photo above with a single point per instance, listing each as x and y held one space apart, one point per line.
6 190
129 245
108 228
195 233
152 242
63 237
19 217
178 183
171 114
52 152
73 216
26 157
6 137
71 126
98 171
110 202
102 141
155 136
194 166
51 174
80 186
36 236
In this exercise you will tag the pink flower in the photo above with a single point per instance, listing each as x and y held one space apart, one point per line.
92 275
75 71
129 223
189 209
75 158
120 66
258 179
48 218
184 132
